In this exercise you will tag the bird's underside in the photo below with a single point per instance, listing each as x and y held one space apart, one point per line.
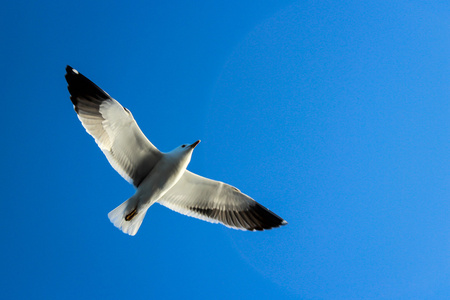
134 157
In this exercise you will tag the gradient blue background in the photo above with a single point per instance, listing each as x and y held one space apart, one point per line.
334 114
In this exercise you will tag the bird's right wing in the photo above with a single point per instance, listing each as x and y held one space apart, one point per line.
217 202
113 127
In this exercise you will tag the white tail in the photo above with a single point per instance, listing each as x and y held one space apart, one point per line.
117 217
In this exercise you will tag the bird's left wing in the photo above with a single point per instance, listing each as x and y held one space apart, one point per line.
113 127
218 202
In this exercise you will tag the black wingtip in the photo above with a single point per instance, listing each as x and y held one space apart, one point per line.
266 219
70 70
81 86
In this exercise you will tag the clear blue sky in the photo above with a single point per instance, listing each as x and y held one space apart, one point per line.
333 114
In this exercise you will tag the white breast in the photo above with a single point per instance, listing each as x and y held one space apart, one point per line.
162 178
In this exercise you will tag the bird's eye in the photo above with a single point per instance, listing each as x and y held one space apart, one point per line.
183 146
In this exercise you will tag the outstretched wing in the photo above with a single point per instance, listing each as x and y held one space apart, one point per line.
217 202
113 127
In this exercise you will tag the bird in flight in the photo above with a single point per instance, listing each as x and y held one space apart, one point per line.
157 176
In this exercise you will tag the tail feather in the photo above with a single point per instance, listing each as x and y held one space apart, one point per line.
120 214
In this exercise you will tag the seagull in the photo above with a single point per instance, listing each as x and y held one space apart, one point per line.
157 176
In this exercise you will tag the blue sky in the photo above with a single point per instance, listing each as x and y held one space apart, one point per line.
333 114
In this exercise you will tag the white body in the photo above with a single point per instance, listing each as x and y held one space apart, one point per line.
166 173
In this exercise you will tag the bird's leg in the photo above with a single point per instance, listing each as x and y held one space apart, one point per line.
131 215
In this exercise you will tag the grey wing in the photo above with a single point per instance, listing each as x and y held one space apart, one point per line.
113 127
217 202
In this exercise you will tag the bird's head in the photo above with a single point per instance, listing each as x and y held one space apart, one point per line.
184 150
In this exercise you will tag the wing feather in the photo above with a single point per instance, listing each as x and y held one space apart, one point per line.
113 127
217 202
